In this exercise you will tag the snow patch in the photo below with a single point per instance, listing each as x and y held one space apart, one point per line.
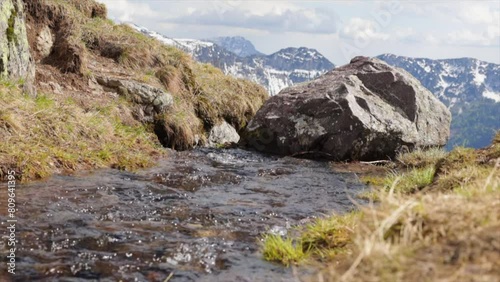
478 77
492 95
424 66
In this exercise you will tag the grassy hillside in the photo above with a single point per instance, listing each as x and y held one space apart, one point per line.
76 123
437 218
49 133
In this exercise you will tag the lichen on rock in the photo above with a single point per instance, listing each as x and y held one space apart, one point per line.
365 110
16 62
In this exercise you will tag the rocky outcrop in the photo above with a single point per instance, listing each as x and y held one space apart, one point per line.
53 33
16 62
365 110
222 134
152 100
44 42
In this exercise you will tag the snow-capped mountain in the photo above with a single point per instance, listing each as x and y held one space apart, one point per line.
237 45
275 72
454 81
469 87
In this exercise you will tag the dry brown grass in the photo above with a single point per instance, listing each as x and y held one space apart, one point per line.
447 231
421 157
221 97
51 133
443 234
429 237
203 95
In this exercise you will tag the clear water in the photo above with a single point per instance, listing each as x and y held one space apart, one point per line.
196 216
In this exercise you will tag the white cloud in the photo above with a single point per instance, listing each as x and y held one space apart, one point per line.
405 34
480 24
431 39
479 13
274 16
124 10
361 29
474 38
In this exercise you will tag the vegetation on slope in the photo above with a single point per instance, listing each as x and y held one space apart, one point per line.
203 95
74 123
474 124
52 133
424 227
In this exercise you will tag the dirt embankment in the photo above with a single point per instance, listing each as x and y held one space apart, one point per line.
131 80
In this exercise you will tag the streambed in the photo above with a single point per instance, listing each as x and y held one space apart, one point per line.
196 216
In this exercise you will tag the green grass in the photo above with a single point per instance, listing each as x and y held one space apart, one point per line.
47 134
416 170
323 238
410 181
283 250
450 225
332 233
421 157
373 180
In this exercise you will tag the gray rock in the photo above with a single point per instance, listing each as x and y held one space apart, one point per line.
16 62
44 42
151 99
222 134
365 110
54 87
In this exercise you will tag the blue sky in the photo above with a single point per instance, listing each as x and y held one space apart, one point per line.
338 29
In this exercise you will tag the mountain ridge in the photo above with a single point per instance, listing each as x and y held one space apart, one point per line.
465 85
238 45
469 87
275 72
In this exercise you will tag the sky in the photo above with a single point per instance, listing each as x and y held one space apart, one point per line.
339 30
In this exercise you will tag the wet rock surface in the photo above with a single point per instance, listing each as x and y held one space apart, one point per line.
365 110
197 215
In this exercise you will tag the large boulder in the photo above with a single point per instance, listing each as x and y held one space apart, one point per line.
365 110
16 62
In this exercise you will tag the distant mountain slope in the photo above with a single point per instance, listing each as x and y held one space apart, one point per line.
237 45
469 87
275 72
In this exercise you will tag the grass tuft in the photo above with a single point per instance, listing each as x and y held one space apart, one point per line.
422 233
323 238
47 134
332 233
283 250
410 181
421 157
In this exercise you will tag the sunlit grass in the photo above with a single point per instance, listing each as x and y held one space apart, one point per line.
421 157
283 250
410 181
323 238
47 134
444 216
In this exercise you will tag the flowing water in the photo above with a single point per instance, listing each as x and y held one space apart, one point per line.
196 216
